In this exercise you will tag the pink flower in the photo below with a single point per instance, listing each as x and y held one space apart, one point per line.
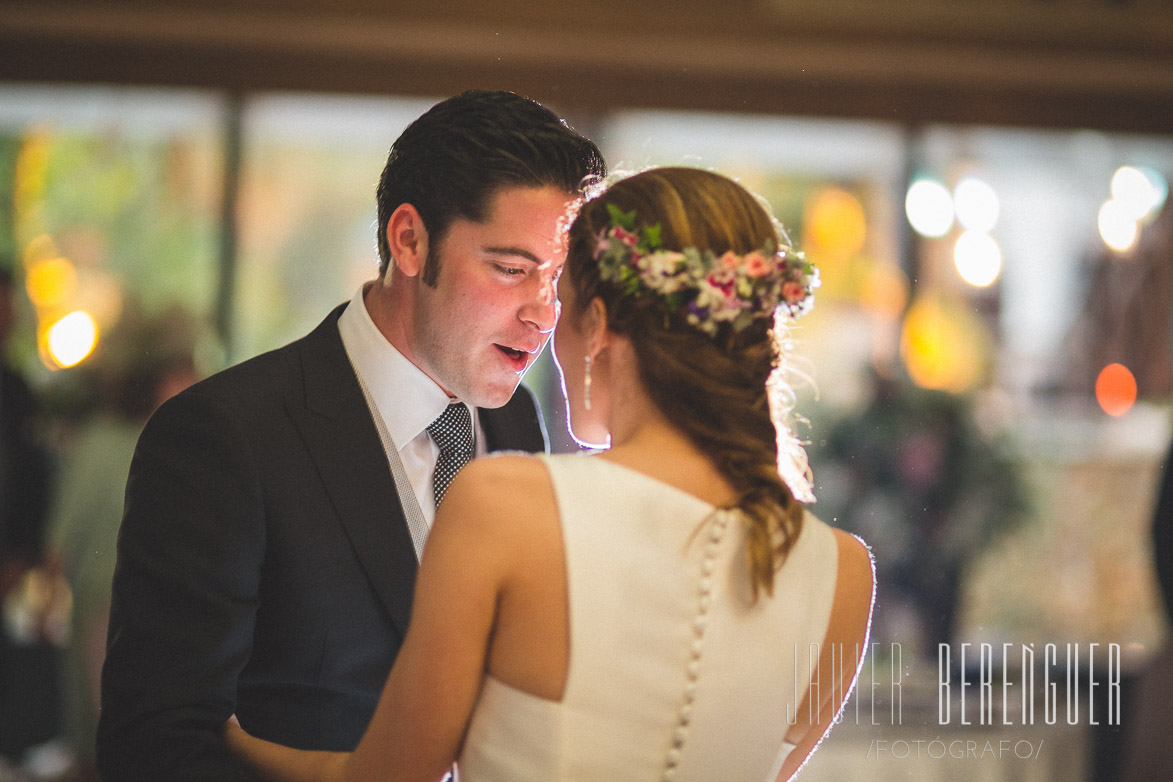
602 243
793 292
729 260
756 265
630 239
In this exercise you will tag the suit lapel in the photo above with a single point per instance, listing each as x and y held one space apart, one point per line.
336 425
342 440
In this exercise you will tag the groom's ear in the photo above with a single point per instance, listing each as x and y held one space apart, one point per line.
407 239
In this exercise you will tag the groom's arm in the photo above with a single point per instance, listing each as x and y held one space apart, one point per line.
185 593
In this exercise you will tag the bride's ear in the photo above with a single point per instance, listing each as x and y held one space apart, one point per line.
595 327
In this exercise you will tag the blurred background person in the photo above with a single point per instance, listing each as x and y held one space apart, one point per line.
28 715
140 364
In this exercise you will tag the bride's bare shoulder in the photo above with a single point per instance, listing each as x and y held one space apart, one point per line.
502 488
855 591
505 473
856 564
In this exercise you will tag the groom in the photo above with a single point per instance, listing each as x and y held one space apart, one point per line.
275 512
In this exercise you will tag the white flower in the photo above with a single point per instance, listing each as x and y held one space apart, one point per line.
663 262
709 297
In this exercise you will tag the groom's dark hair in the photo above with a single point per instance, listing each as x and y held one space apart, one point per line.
450 162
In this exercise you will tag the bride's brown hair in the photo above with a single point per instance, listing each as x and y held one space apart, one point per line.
713 388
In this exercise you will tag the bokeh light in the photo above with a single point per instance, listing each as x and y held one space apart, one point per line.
1118 228
945 347
50 282
1140 192
835 223
977 258
929 207
71 339
976 204
1160 187
1115 389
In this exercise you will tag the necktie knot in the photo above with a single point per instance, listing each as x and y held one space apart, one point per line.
452 431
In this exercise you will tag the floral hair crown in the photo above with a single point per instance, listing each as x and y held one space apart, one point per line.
709 289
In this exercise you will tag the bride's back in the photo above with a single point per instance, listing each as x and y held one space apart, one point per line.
670 662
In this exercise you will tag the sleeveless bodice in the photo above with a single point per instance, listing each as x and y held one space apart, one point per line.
636 550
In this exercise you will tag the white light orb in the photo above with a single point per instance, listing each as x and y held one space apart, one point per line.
1118 228
976 204
929 207
1160 188
977 258
1140 192
72 338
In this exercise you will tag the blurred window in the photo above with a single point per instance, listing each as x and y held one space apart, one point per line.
114 196
307 209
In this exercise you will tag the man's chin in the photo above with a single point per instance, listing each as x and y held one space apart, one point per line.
495 396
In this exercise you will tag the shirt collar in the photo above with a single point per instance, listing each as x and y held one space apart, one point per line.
406 398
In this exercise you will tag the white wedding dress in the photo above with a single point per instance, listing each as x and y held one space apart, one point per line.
673 674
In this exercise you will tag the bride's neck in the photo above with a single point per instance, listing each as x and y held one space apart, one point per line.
645 440
631 415
638 419
638 425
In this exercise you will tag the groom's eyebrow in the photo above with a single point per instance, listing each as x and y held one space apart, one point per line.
516 252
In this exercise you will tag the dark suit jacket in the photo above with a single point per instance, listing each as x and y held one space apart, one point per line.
27 716
264 566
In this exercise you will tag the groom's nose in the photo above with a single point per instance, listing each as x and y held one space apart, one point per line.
542 310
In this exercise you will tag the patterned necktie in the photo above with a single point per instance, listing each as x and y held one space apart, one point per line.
452 431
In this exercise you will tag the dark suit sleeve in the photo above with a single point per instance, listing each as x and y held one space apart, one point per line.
185 593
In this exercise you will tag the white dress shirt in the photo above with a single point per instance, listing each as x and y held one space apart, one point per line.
406 398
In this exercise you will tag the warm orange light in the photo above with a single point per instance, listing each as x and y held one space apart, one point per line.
835 223
1116 389
50 282
71 339
943 346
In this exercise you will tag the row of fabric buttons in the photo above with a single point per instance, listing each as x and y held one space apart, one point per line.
719 523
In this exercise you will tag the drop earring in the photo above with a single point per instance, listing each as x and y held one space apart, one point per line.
586 385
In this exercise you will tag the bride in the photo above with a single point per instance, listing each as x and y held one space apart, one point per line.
665 609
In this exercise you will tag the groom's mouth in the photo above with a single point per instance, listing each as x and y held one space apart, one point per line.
518 359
